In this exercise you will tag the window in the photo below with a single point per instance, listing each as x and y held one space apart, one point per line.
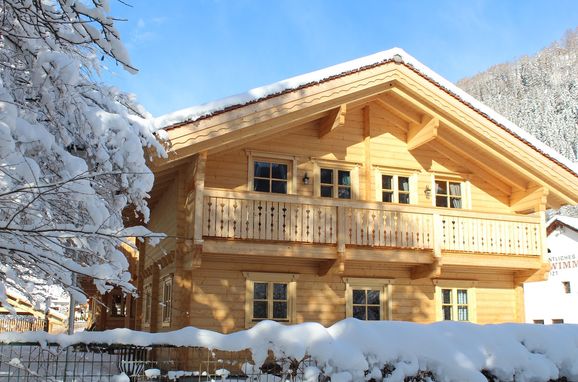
335 183
395 189
540 322
567 287
166 302
455 300
557 321
147 305
448 194
117 304
270 176
368 299
269 296
455 305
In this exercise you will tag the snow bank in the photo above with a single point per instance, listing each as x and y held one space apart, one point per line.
352 350
395 54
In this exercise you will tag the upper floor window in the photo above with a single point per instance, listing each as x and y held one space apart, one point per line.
395 189
335 183
448 194
270 176
567 287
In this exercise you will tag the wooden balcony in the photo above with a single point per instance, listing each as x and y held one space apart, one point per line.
262 217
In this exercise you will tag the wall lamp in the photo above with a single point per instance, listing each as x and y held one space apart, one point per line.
305 179
427 192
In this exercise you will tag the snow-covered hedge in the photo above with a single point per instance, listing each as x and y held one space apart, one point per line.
353 350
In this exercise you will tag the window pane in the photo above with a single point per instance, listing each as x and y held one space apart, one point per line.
260 291
441 201
343 178
358 296
373 313
386 182
261 185
359 312
446 296
260 309
279 186
403 183
404 198
447 312
279 310
373 297
262 169
441 187
327 191
455 202
279 291
462 296
344 193
326 176
462 313
455 189
387 197
278 171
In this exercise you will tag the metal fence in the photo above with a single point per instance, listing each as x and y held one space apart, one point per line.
99 363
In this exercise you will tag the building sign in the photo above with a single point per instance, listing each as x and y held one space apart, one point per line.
561 263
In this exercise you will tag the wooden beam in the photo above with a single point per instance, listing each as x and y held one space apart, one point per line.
271 250
422 133
199 196
369 195
513 181
533 199
427 271
399 108
334 120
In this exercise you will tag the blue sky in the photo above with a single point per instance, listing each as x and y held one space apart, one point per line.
193 51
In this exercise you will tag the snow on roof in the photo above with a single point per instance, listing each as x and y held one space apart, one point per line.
194 113
567 220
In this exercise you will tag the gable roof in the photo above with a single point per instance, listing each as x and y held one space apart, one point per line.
558 221
397 55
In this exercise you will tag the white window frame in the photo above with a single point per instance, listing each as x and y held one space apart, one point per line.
167 301
396 173
454 285
262 156
336 165
265 277
465 189
384 286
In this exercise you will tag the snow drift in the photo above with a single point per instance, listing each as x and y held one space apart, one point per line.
353 350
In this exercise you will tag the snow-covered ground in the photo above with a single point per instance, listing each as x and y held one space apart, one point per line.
353 350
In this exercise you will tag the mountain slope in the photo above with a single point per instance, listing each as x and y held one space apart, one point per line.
538 93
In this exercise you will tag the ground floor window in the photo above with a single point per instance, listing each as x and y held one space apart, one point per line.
269 296
368 299
147 305
167 298
455 300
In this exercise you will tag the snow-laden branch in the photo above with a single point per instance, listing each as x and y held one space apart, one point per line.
72 150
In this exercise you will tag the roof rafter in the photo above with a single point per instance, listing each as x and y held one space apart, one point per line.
334 120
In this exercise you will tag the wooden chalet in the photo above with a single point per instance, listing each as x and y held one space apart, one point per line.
373 189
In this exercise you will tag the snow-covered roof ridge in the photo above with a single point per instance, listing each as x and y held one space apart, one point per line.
398 55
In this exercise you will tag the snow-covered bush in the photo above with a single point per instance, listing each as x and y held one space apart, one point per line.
71 149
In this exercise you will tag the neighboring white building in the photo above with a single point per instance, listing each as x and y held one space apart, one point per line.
556 300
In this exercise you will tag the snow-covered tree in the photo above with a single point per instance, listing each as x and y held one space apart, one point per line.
72 150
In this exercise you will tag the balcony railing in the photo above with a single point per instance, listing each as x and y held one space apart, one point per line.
292 218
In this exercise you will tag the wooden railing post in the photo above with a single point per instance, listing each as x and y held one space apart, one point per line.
437 235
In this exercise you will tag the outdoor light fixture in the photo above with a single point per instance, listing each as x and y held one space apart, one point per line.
427 192
305 179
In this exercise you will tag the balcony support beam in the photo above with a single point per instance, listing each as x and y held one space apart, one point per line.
429 271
